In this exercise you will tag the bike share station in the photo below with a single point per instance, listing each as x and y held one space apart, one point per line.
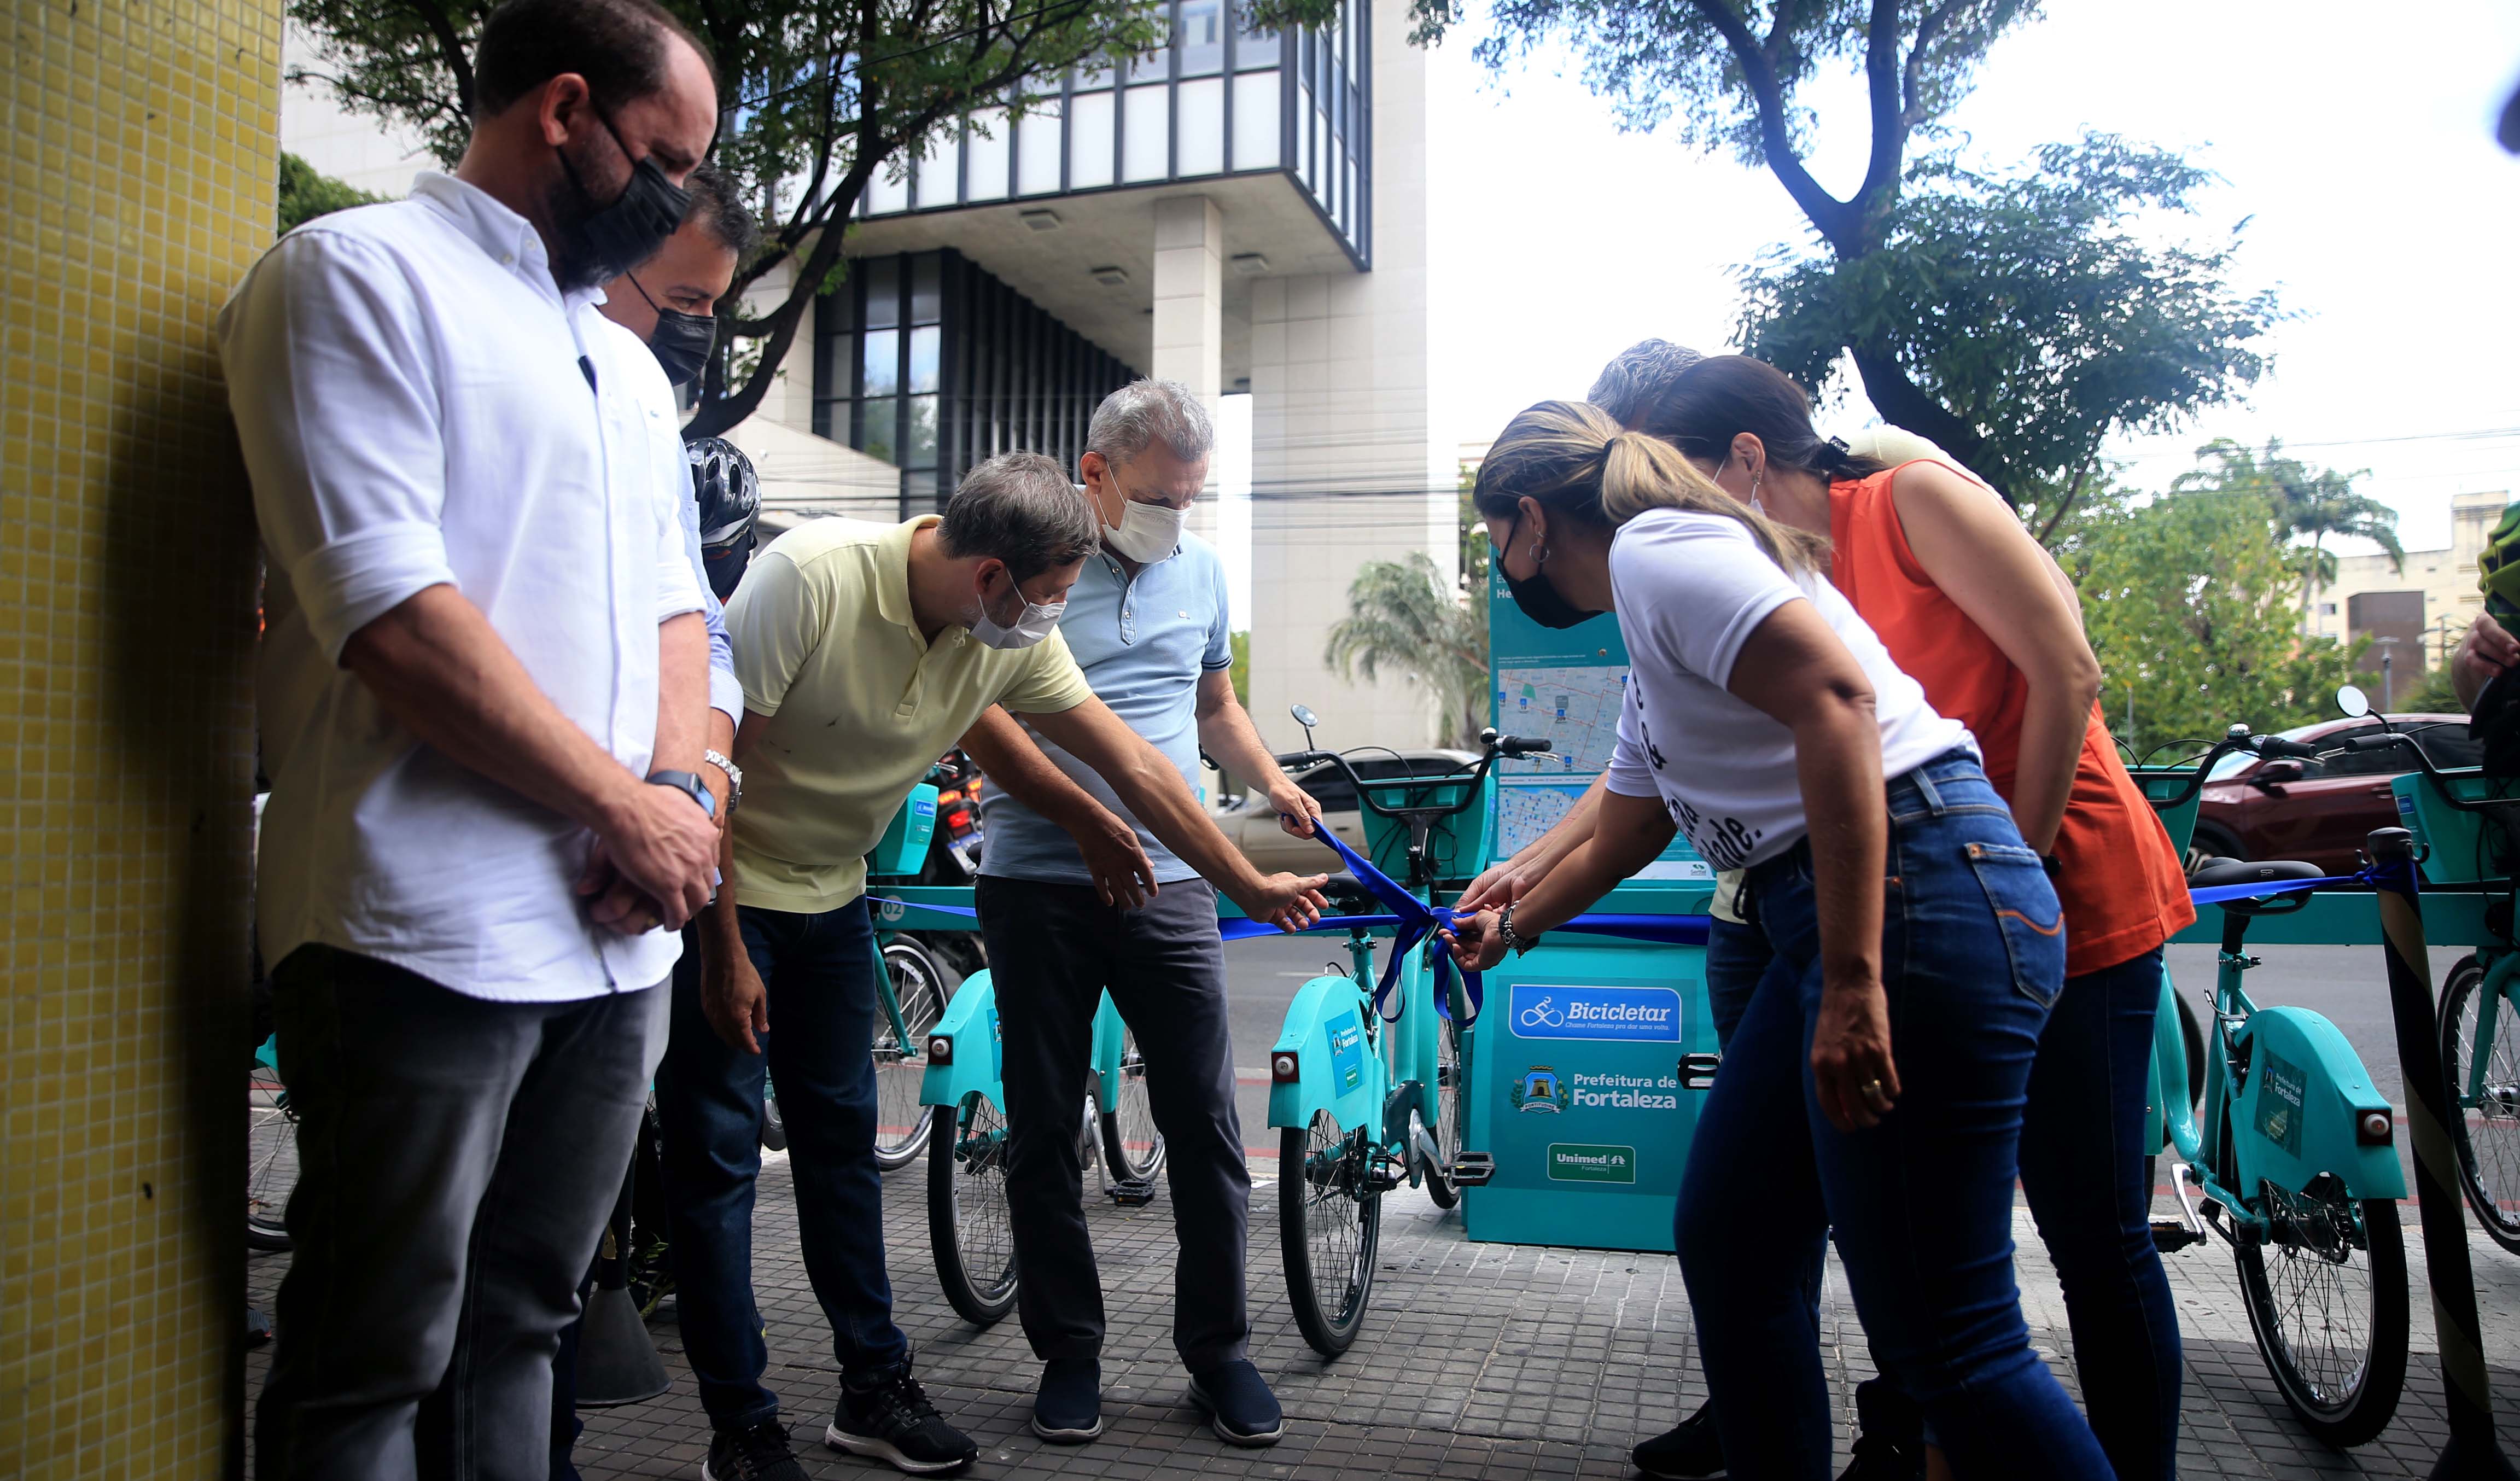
1592 1051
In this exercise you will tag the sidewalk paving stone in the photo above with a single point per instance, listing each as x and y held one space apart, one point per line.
1478 1361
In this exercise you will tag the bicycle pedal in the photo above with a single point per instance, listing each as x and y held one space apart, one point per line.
1473 1170
2172 1235
1131 1192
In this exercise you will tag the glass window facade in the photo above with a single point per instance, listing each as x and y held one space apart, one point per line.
1220 97
931 364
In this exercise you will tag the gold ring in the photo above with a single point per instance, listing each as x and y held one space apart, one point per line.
1871 1090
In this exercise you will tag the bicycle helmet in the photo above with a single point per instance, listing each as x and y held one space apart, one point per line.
728 492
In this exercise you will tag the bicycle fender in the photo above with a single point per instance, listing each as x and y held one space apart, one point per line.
979 1064
2297 1115
2169 1120
1336 1068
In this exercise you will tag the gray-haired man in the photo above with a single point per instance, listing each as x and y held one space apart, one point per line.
864 651
1076 896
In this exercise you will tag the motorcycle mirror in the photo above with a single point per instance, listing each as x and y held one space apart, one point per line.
2352 701
1305 717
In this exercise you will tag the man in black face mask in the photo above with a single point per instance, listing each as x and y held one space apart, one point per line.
485 697
670 300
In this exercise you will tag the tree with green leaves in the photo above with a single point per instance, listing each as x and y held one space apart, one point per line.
2188 601
307 192
2014 320
817 96
2312 502
1405 617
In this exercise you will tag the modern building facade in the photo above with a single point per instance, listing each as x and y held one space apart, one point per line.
1242 211
2442 584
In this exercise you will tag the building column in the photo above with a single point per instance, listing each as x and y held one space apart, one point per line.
1190 314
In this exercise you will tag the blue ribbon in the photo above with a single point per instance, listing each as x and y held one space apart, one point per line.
2217 894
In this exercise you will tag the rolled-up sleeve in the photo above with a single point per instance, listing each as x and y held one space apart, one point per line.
680 585
331 378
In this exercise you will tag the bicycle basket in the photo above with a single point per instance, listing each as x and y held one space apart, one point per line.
1455 847
2160 784
2459 847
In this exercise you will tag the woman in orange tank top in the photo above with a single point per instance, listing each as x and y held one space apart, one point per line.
1970 606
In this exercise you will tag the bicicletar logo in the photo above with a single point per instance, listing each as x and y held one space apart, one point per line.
1541 1090
1619 1014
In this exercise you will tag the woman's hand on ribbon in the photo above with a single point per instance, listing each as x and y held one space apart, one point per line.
1477 943
1853 1075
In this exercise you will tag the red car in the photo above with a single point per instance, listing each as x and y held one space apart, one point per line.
2321 811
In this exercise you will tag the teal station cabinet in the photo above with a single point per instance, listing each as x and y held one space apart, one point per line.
1577 1086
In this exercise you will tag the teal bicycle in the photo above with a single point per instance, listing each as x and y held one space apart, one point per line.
970 1228
271 1150
2290 1152
1368 1084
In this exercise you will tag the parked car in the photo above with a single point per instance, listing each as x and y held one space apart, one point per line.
1247 820
2317 811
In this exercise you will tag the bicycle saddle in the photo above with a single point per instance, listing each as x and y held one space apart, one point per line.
1348 895
2220 872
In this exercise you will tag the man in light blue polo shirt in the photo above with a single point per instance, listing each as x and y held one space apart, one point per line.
1075 898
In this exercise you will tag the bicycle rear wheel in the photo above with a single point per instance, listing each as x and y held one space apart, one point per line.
919 985
2326 1295
1329 1219
2487 1135
969 1226
1452 1106
271 1157
1132 1148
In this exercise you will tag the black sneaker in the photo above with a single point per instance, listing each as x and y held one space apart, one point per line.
758 1454
1239 1407
1878 1457
894 1423
1068 1409
1689 1450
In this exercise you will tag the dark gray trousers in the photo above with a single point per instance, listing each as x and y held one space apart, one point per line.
456 1160
1052 951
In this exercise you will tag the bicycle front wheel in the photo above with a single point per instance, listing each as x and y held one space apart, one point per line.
2327 1294
1132 1148
2484 1128
969 1224
918 986
271 1157
1329 1219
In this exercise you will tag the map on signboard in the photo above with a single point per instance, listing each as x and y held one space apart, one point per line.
1576 708
1525 812
1527 809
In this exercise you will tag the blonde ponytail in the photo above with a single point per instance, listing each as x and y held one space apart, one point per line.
1571 457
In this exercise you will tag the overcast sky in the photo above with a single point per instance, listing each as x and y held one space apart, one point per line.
2360 146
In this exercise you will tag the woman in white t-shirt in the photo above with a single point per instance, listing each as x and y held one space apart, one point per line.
1874 1083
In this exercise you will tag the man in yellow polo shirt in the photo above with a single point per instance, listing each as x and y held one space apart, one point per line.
865 651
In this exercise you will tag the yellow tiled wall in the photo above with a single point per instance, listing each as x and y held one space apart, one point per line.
141 142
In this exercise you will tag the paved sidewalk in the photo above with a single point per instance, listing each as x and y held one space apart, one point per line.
1478 1360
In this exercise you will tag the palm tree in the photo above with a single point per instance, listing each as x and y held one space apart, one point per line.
2309 501
1404 616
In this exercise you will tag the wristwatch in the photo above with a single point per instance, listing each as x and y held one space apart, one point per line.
1514 939
734 777
689 784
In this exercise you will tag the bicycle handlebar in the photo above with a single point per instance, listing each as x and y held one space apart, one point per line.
1515 747
2272 747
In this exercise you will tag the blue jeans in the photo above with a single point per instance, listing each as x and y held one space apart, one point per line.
819 970
1972 957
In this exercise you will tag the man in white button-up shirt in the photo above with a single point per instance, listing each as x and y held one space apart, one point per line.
484 690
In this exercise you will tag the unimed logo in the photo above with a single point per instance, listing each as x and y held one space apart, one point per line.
1576 1162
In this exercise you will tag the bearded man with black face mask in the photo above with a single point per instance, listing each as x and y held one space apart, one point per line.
484 697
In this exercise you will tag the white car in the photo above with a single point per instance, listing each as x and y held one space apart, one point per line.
1248 822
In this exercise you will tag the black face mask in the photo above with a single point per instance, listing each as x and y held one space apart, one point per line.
726 565
606 242
1535 594
681 341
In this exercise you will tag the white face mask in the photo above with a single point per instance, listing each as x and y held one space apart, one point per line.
1146 532
1036 623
